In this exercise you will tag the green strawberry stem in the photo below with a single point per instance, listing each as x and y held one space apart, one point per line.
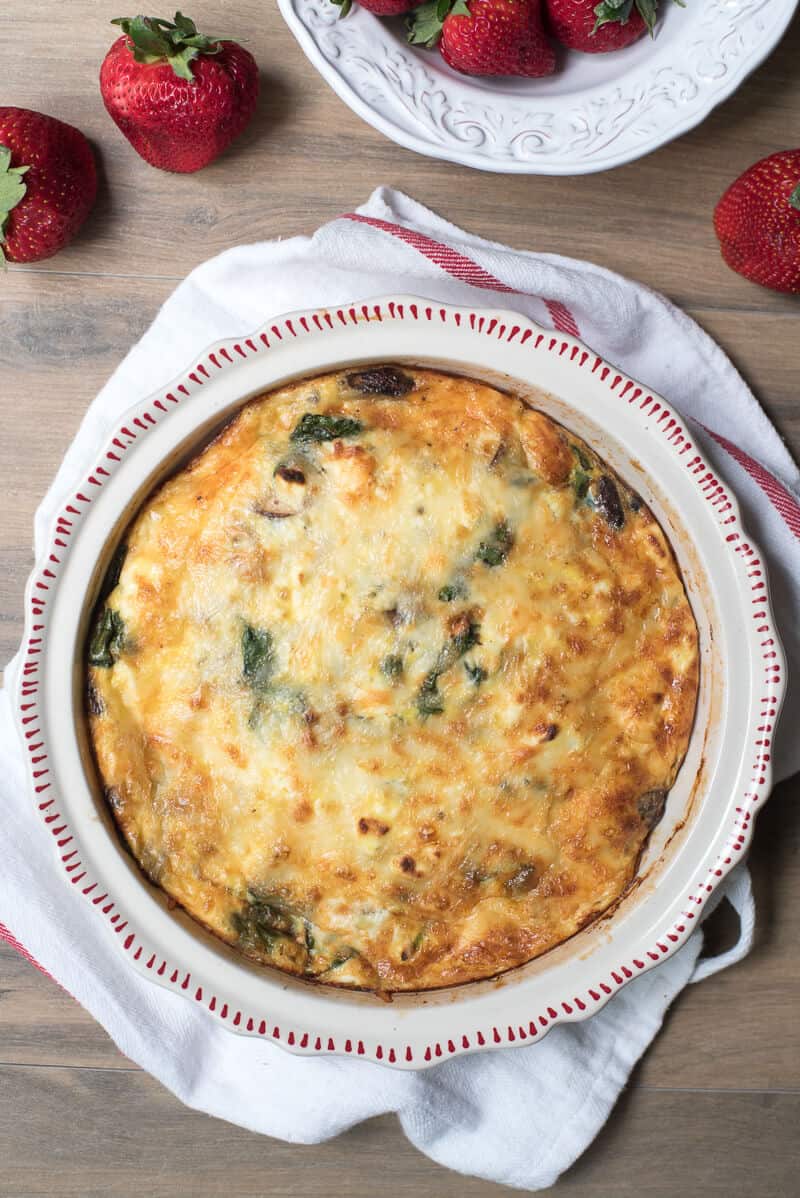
344 7
608 11
12 190
794 198
151 40
425 24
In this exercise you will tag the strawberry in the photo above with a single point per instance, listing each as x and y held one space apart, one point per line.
48 184
486 37
597 28
381 8
179 96
757 222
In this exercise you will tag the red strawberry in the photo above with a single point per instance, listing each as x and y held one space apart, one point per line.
757 222
48 184
381 8
596 28
179 97
486 37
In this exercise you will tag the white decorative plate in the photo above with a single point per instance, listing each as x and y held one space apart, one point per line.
708 820
598 111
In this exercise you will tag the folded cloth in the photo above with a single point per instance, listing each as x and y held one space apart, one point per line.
518 1116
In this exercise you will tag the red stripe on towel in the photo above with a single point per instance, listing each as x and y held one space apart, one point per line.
9 938
463 268
781 498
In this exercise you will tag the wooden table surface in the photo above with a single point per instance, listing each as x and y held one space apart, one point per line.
715 1106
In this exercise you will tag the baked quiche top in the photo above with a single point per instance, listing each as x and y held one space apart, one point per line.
388 686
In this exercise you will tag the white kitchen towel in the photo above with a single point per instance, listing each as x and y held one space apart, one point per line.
518 1116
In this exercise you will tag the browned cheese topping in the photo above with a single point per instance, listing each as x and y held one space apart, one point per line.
389 684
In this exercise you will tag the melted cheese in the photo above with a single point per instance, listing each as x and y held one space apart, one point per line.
395 709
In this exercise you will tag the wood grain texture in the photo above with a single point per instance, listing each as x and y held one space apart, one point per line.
307 157
132 1138
714 1107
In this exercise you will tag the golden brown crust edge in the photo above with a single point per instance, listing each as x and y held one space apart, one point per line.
471 919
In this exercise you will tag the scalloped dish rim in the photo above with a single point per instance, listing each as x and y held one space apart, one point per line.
709 820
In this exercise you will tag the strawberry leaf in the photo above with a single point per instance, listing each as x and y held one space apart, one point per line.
344 7
794 198
181 62
152 39
648 11
12 190
147 43
425 25
619 11
184 25
608 11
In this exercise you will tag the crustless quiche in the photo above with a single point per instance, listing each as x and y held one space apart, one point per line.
388 686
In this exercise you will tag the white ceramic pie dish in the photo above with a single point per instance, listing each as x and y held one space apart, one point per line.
598 111
709 816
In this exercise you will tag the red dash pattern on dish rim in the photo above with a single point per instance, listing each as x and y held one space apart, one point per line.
258 1023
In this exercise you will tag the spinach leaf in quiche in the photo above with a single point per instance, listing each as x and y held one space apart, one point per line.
465 636
113 572
416 944
494 550
342 957
581 474
457 589
392 666
265 922
579 481
475 673
258 657
429 699
323 426
108 636
583 460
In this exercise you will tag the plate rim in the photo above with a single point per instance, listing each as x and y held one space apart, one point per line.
421 145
